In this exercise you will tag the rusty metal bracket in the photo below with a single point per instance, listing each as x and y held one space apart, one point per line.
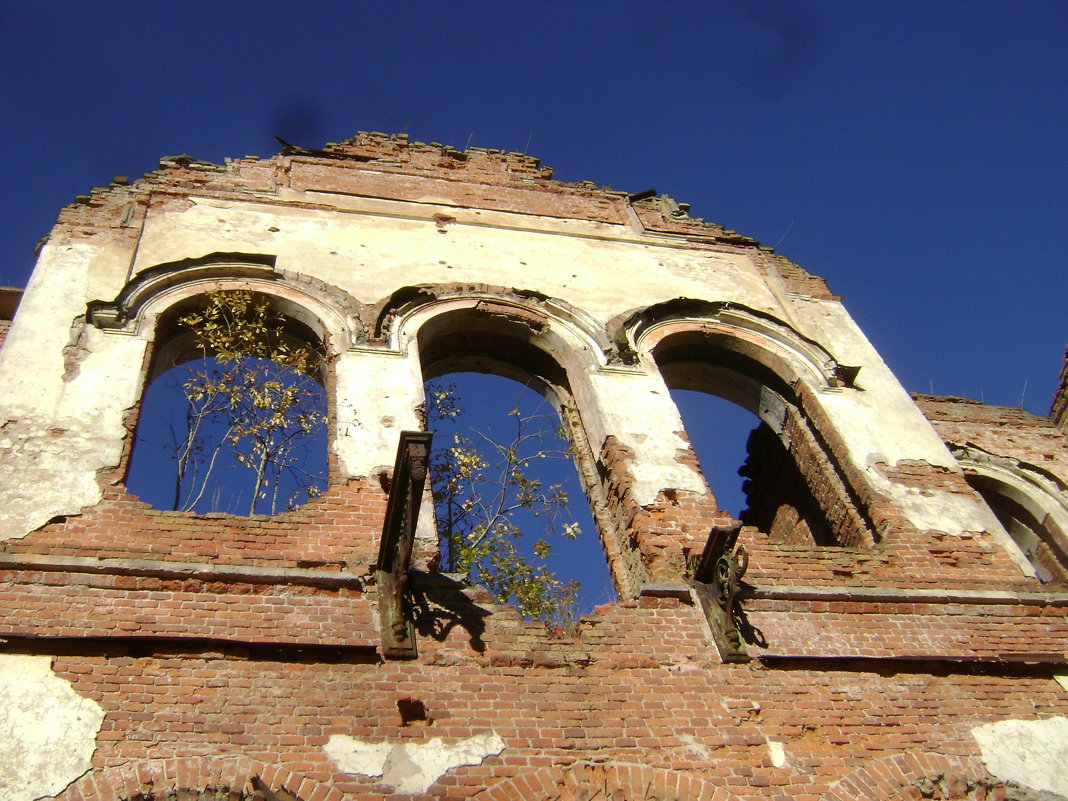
716 582
398 538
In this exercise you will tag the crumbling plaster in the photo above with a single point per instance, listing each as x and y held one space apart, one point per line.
47 731
376 399
362 245
881 425
1031 753
410 767
364 254
636 408
61 422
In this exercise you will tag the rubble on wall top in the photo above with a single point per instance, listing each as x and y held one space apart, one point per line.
1059 409
122 204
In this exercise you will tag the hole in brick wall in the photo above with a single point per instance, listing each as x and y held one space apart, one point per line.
412 710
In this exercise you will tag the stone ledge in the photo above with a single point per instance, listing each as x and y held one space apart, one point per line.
183 570
904 594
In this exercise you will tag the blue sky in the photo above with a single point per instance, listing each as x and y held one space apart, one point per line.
915 154
912 153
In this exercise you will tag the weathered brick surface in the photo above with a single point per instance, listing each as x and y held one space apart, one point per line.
336 530
61 604
849 628
1000 430
677 712
226 652
921 559
660 535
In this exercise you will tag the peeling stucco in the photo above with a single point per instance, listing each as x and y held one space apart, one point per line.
777 753
1032 753
409 767
48 731
48 468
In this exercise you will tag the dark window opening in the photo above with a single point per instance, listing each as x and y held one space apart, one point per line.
780 500
791 489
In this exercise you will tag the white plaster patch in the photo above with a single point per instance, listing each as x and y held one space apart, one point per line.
387 387
409 767
1029 752
694 747
48 467
48 731
353 756
777 753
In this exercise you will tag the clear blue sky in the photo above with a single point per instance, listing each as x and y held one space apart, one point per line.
915 154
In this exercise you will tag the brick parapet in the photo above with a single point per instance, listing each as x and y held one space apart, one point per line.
1000 430
391 167
338 530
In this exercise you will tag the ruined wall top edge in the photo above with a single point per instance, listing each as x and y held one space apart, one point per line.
372 165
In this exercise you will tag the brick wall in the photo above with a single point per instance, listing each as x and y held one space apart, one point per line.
226 651
611 697
1001 430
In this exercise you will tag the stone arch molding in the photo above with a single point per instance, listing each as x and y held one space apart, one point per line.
222 779
1038 491
326 310
605 782
576 337
759 335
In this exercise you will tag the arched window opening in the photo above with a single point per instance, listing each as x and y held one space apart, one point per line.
511 513
234 417
1034 533
718 432
506 449
791 489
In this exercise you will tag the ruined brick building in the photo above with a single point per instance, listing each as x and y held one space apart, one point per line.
900 631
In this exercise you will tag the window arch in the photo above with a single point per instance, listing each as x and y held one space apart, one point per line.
795 489
234 415
493 335
1028 503
296 315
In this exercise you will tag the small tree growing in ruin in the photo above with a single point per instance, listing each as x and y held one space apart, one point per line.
251 399
485 493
